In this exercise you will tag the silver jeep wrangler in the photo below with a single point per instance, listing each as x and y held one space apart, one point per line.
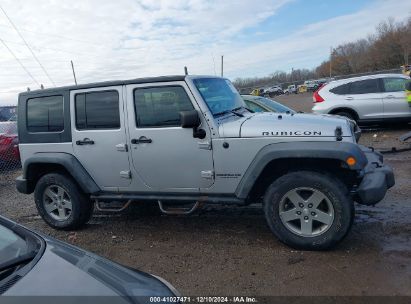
191 139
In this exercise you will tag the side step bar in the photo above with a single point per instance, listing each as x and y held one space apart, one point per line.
219 199
178 210
102 206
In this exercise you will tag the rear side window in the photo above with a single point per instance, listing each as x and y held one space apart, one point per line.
364 86
97 110
341 90
394 84
160 106
45 114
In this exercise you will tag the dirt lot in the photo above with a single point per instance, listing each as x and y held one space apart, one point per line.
230 250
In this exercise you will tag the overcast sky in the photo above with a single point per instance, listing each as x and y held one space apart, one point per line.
122 39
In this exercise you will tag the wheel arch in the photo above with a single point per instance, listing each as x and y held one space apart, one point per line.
346 109
277 159
43 163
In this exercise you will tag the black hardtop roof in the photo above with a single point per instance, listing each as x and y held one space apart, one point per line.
105 84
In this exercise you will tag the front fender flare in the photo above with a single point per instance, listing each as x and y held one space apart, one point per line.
310 150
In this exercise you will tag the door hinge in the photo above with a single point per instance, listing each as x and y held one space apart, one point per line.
205 145
125 174
207 174
122 147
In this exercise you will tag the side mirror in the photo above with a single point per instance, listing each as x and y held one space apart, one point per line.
189 119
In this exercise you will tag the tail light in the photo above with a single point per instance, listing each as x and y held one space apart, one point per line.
317 97
16 152
6 140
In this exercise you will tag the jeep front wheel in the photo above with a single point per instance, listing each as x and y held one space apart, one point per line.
61 203
308 210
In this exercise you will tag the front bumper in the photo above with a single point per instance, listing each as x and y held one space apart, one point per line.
377 178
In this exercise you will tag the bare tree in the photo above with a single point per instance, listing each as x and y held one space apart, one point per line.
388 48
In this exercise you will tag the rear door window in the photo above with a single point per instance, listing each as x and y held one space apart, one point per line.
364 86
97 110
394 84
45 114
341 90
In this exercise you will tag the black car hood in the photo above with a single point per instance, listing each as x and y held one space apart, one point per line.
65 270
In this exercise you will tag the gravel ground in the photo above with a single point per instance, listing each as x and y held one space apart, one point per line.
230 250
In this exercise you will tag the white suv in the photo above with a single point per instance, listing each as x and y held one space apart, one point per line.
365 99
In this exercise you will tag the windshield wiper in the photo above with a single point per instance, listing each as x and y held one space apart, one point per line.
233 111
249 110
23 259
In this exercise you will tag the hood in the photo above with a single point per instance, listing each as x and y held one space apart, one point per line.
285 125
65 270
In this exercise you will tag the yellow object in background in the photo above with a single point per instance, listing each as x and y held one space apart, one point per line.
257 92
408 92
302 88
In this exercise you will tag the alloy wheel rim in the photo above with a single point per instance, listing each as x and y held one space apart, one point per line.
306 212
57 203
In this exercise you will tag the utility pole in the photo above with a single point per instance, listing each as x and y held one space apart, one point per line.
222 65
74 73
331 60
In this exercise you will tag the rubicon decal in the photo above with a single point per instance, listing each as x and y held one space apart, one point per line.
292 133
228 175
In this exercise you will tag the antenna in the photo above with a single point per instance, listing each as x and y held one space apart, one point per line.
74 73
185 71
222 65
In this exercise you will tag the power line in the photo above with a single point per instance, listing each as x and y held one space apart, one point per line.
43 34
18 60
52 49
27 45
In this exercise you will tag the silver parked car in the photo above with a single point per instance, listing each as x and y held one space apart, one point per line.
262 104
373 98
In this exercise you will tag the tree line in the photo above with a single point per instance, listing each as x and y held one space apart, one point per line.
388 48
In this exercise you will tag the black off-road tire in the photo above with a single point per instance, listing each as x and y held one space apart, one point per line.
332 188
82 206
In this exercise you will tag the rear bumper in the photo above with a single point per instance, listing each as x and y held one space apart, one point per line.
377 179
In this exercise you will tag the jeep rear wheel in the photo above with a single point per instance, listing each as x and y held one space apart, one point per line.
308 210
61 203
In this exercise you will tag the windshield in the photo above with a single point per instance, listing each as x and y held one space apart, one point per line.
11 245
219 94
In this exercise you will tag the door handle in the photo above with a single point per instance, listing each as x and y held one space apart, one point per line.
141 140
349 98
85 141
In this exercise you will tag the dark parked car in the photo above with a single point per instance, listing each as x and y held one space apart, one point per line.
262 104
9 151
32 264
